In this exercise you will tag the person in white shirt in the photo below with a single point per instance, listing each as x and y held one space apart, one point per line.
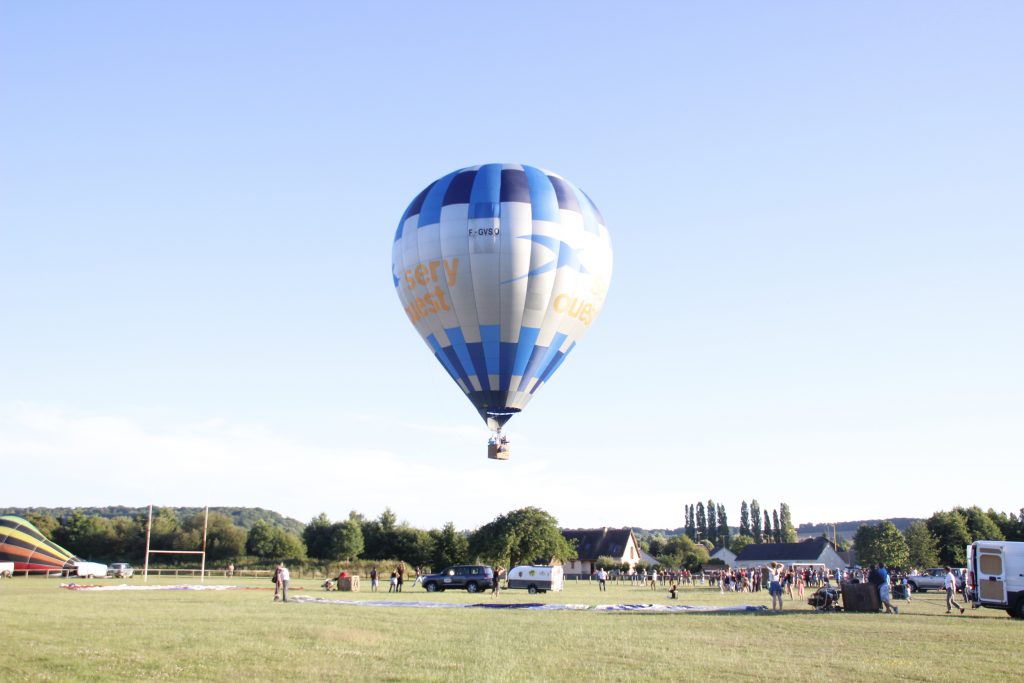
283 576
950 585
602 577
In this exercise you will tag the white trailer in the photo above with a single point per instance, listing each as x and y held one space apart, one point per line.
536 578
6 570
90 570
995 575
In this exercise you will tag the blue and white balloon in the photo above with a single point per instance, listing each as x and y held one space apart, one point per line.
502 268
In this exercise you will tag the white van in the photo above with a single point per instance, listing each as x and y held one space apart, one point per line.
536 578
995 575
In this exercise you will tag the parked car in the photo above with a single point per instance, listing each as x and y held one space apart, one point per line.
121 570
472 577
934 579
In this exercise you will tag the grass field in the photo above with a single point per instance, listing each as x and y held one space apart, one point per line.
54 634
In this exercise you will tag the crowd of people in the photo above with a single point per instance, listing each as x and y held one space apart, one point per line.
732 580
781 581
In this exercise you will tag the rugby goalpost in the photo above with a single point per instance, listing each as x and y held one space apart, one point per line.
201 553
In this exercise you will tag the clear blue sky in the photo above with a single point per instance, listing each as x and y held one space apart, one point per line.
816 210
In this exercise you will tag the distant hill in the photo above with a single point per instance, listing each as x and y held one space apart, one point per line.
667 533
243 517
847 530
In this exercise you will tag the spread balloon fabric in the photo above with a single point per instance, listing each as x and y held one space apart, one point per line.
502 268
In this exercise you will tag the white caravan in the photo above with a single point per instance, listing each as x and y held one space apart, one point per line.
90 570
995 575
536 578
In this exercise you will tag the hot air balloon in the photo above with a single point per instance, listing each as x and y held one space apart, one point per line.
25 547
501 268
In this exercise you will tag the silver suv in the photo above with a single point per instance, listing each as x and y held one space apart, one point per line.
472 577
934 579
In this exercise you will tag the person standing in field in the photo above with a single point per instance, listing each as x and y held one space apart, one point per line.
775 586
373 580
602 578
400 570
950 585
885 591
393 586
282 576
499 571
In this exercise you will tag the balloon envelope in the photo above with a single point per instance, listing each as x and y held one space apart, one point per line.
24 545
502 268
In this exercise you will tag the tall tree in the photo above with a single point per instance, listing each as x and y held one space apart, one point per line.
680 551
922 547
776 529
413 546
786 520
980 525
702 523
270 543
47 524
388 520
1010 525
224 540
347 539
319 538
755 521
521 537
744 519
86 536
712 511
766 531
739 542
654 544
164 530
691 525
723 527
881 543
129 539
950 531
450 547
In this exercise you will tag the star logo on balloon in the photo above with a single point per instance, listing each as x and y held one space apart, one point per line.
568 257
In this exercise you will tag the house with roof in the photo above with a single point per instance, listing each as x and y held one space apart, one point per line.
722 553
812 551
591 544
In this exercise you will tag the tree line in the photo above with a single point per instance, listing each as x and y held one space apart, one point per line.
244 517
710 522
518 537
940 540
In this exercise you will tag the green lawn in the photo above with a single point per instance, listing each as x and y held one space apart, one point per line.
54 634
